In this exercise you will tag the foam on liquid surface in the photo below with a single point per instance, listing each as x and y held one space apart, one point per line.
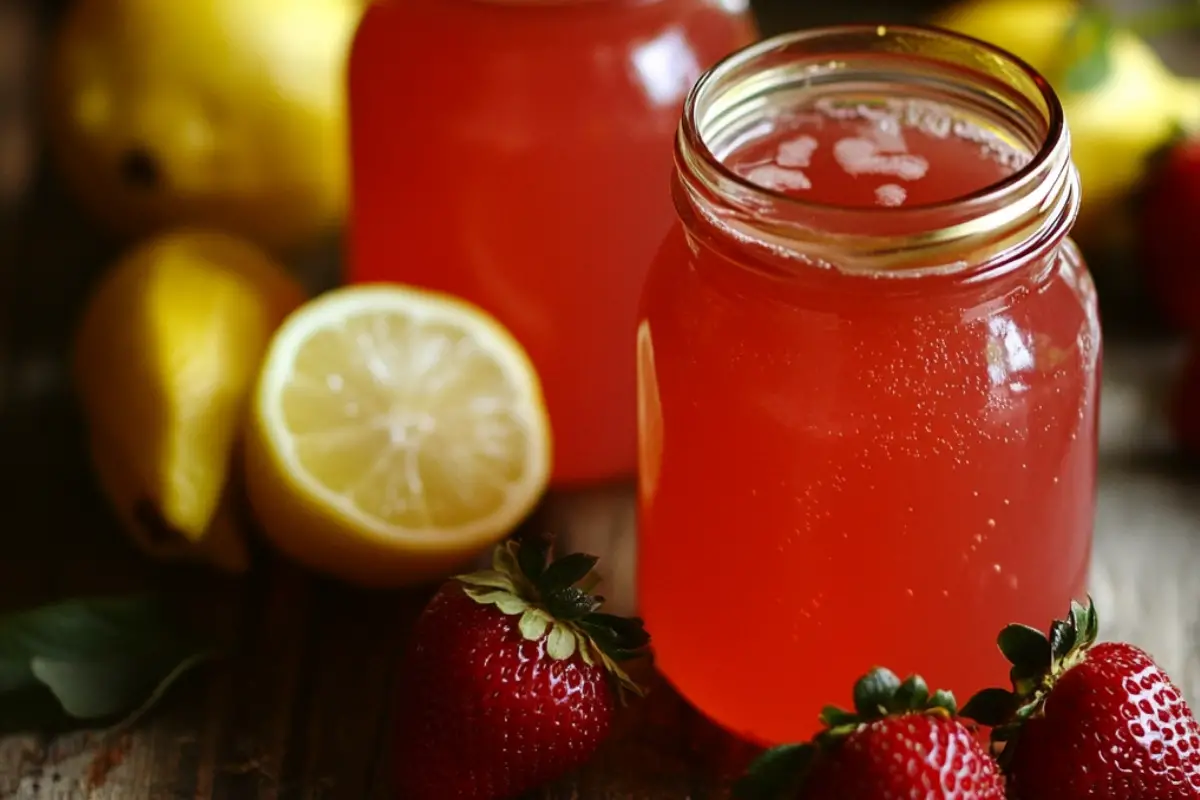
890 154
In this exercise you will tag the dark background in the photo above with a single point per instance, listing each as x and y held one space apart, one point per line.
776 16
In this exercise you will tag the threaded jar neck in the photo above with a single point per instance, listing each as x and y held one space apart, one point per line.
924 76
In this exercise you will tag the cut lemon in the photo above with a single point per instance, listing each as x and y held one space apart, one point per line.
395 434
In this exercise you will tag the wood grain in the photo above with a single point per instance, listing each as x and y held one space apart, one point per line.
301 707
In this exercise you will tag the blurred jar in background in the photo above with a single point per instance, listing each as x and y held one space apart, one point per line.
518 154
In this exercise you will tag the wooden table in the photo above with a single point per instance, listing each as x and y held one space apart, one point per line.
300 709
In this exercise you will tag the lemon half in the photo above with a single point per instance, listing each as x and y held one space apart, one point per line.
396 433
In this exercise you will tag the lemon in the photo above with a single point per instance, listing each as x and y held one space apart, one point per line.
1115 126
396 433
227 114
1034 34
165 360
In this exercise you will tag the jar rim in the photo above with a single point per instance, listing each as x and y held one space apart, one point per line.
1048 163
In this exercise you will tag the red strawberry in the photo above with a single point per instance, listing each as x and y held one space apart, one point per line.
1170 216
899 743
1086 720
512 678
1185 406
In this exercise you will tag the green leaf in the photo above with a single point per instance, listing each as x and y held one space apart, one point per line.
504 558
1062 639
834 717
991 707
507 602
1024 680
630 631
83 628
92 689
96 658
566 571
1086 623
570 603
488 579
560 643
534 624
100 689
1025 647
620 638
776 774
15 675
1088 50
912 695
604 636
532 555
945 700
873 693
584 646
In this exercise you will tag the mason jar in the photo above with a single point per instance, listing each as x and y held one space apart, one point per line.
868 362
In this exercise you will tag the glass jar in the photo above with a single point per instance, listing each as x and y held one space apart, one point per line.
517 154
868 371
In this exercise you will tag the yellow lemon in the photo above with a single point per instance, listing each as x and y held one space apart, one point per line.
227 114
1030 29
1115 126
396 433
165 360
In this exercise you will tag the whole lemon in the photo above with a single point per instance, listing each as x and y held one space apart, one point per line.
228 114
165 359
1116 124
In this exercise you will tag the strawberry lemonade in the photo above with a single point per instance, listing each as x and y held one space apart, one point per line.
868 371
517 153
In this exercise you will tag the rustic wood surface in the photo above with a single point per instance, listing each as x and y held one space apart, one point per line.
299 709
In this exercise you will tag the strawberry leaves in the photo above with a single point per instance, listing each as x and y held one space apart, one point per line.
532 555
1037 660
780 771
88 660
554 600
880 694
565 572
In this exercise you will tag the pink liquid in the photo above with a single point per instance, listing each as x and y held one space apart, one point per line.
518 154
848 470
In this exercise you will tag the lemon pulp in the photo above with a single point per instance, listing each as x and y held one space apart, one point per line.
396 433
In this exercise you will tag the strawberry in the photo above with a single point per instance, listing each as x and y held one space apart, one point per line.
1185 405
512 678
1170 216
1087 720
900 742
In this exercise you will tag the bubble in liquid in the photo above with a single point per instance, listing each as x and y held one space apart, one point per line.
890 194
796 152
770 176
